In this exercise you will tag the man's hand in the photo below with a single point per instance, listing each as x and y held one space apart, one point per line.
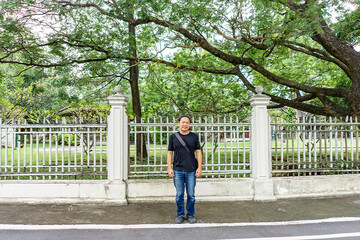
169 160
199 159
171 173
198 172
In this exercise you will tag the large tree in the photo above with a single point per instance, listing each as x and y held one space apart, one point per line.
92 44
304 57
274 43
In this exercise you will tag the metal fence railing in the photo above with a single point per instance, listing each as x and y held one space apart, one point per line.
315 146
52 151
225 145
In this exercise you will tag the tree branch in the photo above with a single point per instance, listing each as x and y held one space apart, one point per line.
54 64
315 53
80 5
337 48
342 92
333 108
298 102
257 44
188 68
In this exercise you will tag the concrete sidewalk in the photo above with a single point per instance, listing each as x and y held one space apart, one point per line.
165 213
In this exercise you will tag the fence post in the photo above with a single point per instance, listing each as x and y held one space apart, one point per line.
117 139
260 147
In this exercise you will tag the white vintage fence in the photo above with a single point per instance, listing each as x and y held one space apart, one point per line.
52 151
101 162
315 146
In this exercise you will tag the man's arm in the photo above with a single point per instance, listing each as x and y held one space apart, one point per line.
169 162
199 160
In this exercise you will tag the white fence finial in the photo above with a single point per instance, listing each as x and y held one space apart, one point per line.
118 89
259 89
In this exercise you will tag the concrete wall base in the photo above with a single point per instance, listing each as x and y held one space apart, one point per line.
316 186
264 189
162 190
112 192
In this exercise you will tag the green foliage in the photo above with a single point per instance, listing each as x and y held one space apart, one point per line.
348 27
312 71
195 93
65 139
88 112
34 96
89 49
13 99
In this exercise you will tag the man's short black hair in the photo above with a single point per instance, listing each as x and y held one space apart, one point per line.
183 117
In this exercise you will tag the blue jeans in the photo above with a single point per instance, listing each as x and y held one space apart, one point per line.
184 180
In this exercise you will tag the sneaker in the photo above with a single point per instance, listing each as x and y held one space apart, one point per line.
179 219
192 219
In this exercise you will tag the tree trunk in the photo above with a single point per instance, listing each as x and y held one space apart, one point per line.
141 151
354 99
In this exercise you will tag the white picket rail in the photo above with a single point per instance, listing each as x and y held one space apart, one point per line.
52 151
315 146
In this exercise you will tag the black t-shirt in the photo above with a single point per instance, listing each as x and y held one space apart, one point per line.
182 159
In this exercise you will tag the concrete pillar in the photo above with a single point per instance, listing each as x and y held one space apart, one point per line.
260 147
117 145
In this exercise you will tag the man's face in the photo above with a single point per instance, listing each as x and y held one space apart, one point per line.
184 124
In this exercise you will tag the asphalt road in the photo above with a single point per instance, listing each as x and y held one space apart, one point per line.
334 228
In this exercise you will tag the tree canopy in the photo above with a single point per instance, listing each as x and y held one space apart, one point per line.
304 53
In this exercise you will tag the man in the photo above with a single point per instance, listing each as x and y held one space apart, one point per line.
185 168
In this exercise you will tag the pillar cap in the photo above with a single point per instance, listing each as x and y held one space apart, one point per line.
119 98
259 89
118 89
259 98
